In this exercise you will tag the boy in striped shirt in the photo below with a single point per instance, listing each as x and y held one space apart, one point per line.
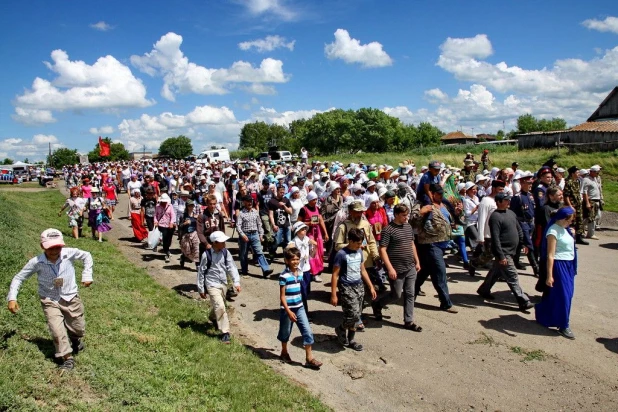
292 310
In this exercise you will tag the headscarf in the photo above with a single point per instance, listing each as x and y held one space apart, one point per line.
560 214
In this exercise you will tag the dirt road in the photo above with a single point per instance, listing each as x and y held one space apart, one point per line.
489 356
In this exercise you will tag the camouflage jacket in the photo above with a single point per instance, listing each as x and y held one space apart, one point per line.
441 230
572 191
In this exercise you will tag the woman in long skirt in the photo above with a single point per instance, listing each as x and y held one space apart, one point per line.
135 206
559 256
310 215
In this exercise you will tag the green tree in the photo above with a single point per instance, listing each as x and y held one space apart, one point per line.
528 124
26 160
428 135
63 156
117 152
7 161
500 135
254 136
177 147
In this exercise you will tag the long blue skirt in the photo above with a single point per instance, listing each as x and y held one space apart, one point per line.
554 309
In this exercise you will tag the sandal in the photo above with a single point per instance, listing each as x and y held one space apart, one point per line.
360 327
285 358
413 327
356 346
313 364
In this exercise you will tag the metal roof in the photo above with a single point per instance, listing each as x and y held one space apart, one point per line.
601 126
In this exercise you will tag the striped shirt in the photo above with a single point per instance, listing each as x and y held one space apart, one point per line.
47 272
292 288
398 240
249 221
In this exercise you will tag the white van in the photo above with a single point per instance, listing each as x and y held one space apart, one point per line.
217 155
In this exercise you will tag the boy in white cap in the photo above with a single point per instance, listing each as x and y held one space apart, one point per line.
216 264
62 307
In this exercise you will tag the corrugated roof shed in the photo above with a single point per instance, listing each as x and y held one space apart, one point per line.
600 126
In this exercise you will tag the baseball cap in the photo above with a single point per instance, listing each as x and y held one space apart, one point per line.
434 164
595 168
218 236
51 238
503 196
357 206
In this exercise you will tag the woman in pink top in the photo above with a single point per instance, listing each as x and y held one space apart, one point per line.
109 190
165 220
86 188
376 215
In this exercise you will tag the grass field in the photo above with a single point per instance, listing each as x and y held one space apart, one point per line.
147 347
25 185
502 156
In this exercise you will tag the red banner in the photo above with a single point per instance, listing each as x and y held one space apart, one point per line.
104 148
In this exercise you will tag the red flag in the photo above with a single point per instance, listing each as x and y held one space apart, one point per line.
103 148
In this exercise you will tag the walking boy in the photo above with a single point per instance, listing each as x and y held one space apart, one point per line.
349 273
216 264
292 310
62 307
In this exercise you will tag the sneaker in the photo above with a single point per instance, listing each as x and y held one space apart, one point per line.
341 336
450 310
100 240
593 237
67 364
486 296
167 258
317 279
355 346
267 273
567 333
231 293
579 239
226 339
78 346
520 266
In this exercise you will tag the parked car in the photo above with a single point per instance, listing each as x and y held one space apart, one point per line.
263 157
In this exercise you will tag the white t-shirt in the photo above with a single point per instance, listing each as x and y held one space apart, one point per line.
134 185
303 247
565 244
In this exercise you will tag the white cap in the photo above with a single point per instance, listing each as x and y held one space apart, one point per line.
51 238
480 178
164 198
595 168
218 236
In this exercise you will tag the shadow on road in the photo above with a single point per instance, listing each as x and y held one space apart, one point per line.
611 344
512 325
610 246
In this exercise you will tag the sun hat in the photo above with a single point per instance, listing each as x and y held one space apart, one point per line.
164 198
595 168
51 238
469 185
461 186
298 226
218 236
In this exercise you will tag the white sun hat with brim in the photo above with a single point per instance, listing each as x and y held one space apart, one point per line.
164 198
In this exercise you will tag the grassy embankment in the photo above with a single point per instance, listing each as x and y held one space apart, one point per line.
502 156
147 347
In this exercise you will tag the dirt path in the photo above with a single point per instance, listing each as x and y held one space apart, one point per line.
487 357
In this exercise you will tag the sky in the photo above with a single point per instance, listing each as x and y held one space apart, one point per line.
143 72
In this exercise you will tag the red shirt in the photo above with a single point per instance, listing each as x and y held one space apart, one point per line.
110 191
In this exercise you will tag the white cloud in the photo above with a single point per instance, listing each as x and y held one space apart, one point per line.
567 79
352 51
101 26
34 149
107 84
181 76
269 43
105 130
272 116
610 24
275 8
32 116
436 95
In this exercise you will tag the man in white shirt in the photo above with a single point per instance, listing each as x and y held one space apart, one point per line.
483 254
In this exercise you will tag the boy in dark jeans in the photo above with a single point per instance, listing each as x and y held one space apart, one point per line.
349 274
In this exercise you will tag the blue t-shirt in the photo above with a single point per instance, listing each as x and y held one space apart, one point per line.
426 179
349 263
292 288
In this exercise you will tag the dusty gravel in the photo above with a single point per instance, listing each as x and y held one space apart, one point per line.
473 360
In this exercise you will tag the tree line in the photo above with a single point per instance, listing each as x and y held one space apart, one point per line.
340 131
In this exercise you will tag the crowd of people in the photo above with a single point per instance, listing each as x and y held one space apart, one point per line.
380 230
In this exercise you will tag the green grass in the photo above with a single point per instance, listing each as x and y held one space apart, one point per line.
25 185
502 156
530 355
485 339
147 347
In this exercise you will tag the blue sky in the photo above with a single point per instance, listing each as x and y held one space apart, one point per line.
140 73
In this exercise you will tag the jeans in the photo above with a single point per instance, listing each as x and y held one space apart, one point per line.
285 326
461 244
282 237
432 265
402 286
254 243
305 289
167 234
